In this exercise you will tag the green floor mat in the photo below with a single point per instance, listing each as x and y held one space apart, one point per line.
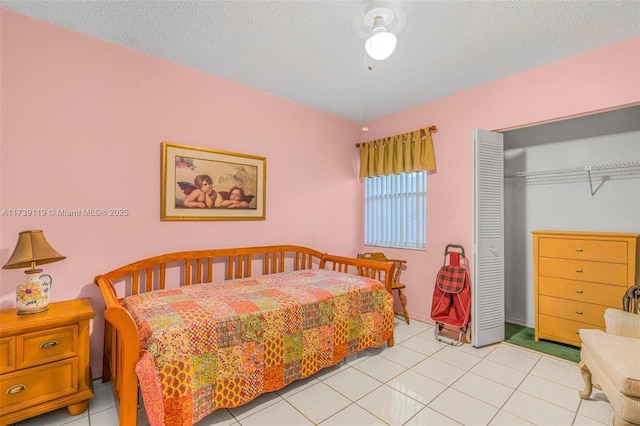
524 336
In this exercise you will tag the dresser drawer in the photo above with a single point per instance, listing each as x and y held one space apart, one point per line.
562 330
598 272
37 385
583 291
46 346
570 309
7 354
598 250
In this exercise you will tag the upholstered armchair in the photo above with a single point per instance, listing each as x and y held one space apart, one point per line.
611 362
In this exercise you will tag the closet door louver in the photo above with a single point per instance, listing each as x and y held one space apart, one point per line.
487 269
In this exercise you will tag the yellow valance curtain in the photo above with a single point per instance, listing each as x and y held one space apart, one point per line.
405 153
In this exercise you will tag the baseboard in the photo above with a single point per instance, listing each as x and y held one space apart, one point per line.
521 322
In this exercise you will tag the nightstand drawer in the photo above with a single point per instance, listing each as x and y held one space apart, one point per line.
583 291
599 250
46 346
7 354
598 272
570 309
23 389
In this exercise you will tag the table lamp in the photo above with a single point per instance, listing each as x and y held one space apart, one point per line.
33 249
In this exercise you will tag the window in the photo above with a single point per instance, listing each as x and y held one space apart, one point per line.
396 210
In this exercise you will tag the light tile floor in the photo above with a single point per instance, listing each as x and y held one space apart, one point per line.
419 381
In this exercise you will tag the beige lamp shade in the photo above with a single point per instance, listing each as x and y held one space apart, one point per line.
32 249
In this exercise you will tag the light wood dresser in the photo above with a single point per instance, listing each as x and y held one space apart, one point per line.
44 360
577 275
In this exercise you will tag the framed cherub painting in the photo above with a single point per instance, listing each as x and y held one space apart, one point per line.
207 184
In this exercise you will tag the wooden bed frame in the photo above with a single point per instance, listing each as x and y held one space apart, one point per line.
122 345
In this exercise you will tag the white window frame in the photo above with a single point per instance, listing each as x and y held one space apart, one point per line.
395 211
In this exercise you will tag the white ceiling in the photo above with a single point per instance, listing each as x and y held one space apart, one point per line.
307 51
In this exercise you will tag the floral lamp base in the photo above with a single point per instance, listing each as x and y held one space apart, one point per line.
33 296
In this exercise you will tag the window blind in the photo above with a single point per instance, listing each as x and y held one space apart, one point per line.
395 210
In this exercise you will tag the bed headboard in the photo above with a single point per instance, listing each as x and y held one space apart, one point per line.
199 266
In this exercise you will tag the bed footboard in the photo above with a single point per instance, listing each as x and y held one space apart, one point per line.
121 352
381 271
122 344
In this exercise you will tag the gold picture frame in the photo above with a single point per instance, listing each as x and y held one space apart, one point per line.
208 184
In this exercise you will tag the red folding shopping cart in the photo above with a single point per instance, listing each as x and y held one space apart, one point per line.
451 305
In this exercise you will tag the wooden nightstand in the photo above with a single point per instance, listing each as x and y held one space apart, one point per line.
44 360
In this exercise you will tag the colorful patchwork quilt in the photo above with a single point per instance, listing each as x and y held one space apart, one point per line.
220 345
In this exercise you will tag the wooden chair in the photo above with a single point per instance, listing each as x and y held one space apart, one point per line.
397 285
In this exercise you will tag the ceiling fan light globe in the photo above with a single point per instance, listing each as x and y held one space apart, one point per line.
380 45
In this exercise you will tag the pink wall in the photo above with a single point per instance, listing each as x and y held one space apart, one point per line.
82 124
603 79
88 117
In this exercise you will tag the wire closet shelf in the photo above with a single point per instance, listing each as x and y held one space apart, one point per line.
629 169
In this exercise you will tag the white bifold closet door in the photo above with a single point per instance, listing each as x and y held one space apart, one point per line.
487 265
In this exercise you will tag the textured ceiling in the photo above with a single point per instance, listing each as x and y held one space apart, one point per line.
308 52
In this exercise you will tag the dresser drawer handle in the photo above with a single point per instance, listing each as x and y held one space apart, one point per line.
579 312
579 249
49 344
578 270
579 291
15 389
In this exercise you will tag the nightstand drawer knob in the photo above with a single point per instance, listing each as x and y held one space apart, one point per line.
578 270
579 312
579 249
49 344
15 389
579 291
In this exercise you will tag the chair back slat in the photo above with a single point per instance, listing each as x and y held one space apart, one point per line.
381 257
